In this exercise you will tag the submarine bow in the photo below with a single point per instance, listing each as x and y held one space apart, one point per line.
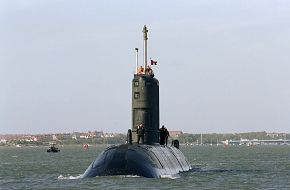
142 155
150 161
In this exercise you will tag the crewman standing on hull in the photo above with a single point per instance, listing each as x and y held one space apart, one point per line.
140 133
163 135
166 137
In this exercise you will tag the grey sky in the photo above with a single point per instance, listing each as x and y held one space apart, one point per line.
223 66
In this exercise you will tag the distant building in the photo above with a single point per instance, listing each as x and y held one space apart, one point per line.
54 138
99 133
275 135
175 133
108 135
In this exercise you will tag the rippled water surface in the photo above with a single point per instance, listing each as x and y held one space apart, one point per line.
214 167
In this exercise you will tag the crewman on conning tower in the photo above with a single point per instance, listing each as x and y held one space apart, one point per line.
140 70
149 71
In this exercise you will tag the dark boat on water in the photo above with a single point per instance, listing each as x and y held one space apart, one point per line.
53 148
148 158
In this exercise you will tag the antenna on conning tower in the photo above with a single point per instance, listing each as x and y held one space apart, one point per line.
136 70
145 38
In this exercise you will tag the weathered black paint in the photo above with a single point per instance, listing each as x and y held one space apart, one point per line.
149 159
152 161
145 107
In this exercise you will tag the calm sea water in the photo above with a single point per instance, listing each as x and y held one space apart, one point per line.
215 167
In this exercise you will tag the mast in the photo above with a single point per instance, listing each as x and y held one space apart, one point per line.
145 38
136 70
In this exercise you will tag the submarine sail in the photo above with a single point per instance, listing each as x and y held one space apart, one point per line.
142 155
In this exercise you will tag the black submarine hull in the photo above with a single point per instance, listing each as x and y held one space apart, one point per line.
151 161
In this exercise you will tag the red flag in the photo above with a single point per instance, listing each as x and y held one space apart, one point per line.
153 62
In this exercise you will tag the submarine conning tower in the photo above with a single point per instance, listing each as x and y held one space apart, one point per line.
145 98
145 107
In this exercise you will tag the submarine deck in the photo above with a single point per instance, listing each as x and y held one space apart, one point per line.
138 159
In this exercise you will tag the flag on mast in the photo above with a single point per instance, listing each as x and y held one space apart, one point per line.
153 62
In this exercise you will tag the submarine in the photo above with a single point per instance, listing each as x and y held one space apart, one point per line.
149 157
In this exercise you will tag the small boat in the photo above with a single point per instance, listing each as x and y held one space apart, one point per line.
86 146
53 148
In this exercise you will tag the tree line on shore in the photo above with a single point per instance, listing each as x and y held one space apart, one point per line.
184 138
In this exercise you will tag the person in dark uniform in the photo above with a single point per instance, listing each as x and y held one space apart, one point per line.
166 136
162 135
140 133
129 136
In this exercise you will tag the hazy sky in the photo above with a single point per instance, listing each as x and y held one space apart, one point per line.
67 65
